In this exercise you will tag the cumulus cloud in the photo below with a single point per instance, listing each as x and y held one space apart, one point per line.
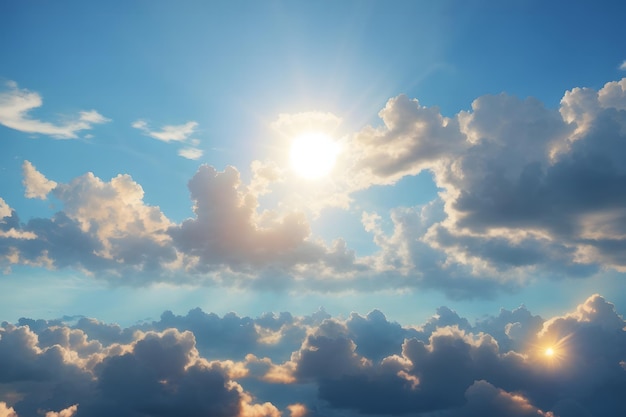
229 231
362 365
525 191
168 133
16 104
68 412
6 411
106 227
37 185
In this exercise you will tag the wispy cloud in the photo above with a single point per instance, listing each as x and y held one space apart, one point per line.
190 153
16 104
169 133
623 66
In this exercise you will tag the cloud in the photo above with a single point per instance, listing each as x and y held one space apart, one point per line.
362 365
37 185
485 399
623 65
6 411
297 410
68 412
190 153
156 371
525 191
228 231
105 227
16 104
5 210
168 133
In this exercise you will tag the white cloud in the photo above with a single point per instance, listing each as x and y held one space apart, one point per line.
5 210
190 153
67 412
169 133
6 411
17 234
623 65
16 103
115 213
93 116
37 185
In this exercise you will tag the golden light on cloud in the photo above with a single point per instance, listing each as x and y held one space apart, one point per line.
313 155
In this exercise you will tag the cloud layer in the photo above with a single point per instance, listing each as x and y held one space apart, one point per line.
203 364
526 191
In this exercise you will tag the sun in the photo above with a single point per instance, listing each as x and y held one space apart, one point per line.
549 352
313 155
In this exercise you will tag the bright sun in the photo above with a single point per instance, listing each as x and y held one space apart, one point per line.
549 352
313 155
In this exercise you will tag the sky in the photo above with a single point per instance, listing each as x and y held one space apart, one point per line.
329 208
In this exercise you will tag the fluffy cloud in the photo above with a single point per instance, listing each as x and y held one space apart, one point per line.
5 210
16 103
37 185
228 231
106 227
156 372
363 365
525 190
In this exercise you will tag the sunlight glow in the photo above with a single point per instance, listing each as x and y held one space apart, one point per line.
313 155
553 352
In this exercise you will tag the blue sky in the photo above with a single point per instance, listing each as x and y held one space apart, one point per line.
145 167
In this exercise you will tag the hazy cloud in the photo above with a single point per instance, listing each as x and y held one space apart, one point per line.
16 104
